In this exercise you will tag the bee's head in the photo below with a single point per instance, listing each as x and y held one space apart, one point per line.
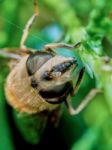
49 71
51 75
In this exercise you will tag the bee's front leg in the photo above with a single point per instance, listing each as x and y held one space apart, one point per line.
61 45
80 77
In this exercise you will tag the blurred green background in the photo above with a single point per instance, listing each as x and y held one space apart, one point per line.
69 21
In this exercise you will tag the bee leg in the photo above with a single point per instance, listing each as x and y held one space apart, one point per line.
61 45
28 27
80 77
10 55
84 102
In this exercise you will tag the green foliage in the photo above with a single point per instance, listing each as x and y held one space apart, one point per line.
30 126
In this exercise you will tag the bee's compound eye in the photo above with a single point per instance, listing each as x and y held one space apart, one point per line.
36 60
61 68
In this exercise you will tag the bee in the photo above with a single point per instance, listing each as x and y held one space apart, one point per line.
40 81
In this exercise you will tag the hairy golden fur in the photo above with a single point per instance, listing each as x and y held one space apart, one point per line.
21 95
